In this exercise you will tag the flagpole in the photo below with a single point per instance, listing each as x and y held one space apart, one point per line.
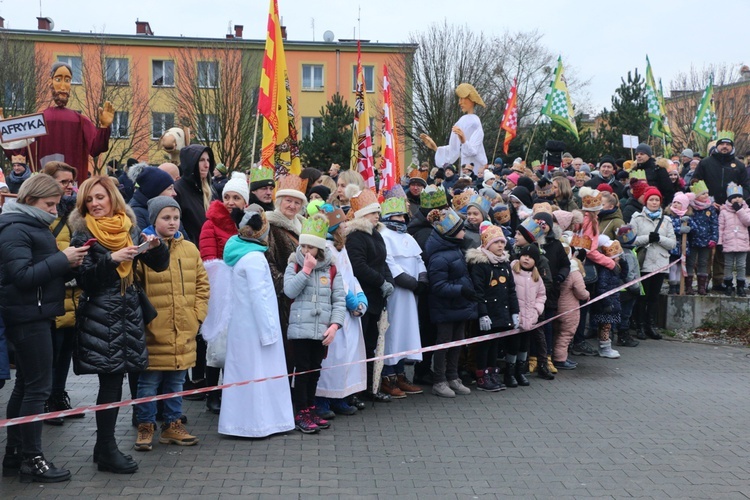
497 141
531 141
255 138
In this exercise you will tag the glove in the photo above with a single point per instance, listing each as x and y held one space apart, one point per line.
736 206
422 278
387 289
309 265
351 301
559 278
485 323
684 229
653 237
711 244
516 321
405 281
468 293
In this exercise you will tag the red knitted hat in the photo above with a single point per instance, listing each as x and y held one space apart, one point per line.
651 191
638 188
605 187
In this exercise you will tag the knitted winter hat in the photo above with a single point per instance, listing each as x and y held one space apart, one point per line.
544 217
567 219
532 251
153 181
682 199
254 226
644 148
237 184
159 203
651 191
638 188
490 234
321 191
605 187
513 178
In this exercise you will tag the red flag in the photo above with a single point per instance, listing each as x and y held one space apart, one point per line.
362 159
510 117
389 170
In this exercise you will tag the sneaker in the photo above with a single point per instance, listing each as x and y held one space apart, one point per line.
388 385
458 387
485 381
341 407
321 422
304 424
175 433
323 409
145 436
583 349
442 390
406 386
565 365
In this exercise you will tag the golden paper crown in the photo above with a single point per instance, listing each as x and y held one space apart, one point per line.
433 197
591 199
18 159
613 250
581 241
366 202
422 174
292 185
460 201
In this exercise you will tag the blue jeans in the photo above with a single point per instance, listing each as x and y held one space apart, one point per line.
627 303
148 385
396 369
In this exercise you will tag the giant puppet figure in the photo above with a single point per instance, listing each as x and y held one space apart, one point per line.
467 136
71 137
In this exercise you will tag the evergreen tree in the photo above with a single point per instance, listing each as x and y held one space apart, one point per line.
331 142
629 116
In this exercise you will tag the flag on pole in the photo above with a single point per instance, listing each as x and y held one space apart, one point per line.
704 123
557 104
279 147
510 117
389 172
362 160
656 110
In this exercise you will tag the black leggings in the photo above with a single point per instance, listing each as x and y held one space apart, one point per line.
63 341
308 355
110 391
370 333
485 353
517 343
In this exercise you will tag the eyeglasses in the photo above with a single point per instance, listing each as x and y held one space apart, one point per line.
65 183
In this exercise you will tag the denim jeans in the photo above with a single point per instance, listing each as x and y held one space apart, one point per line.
627 304
148 385
396 369
33 347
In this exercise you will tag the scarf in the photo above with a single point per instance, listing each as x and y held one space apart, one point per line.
701 205
678 212
604 213
652 215
18 179
494 259
37 213
66 206
399 227
114 233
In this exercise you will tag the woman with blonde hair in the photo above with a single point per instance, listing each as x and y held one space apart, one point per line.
564 194
345 178
111 328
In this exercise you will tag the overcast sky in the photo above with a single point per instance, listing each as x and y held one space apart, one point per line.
601 39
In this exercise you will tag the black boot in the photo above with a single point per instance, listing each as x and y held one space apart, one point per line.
97 447
111 459
519 374
741 288
542 369
639 318
508 376
48 407
624 339
38 470
11 461
649 324
213 402
728 288
673 289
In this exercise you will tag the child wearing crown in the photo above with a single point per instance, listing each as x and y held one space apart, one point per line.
734 219
703 239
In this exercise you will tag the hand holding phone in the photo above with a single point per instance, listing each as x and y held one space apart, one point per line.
90 242
142 247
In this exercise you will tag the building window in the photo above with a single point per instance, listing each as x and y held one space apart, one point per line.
15 96
369 72
75 63
747 104
208 74
312 77
117 71
160 123
163 73
208 128
730 107
309 124
120 125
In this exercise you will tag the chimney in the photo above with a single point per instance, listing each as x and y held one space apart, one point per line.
238 30
143 28
230 36
44 23
2 22
744 73
283 32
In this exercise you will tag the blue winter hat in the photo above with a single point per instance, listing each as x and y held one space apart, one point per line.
153 181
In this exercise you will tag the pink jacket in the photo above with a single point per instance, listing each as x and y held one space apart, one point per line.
591 229
733 226
572 290
531 298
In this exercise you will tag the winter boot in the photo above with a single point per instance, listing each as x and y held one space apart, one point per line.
531 364
606 351
61 401
702 283
741 288
509 378
485 382
48 405
11 461
323 409
213 402
520 374
649 325
674 289
145 439
495 376
689 285
175 433
624 339
728 288
389 385
543 369
38 470
110 459
304 423
551 365
406 386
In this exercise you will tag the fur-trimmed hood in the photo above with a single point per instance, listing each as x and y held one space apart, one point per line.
220 216
278 219
361 224
78 222
477 256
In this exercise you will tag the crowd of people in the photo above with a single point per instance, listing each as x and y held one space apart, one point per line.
181 277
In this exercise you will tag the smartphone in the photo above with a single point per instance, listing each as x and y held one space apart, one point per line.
143 247
89 242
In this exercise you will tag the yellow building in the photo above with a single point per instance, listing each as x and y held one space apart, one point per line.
206 84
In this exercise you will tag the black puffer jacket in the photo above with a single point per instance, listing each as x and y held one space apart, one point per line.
367 254
32 271
659 178
495 287
420 229
632 206
190 189
718 170
559 266
111 335
139 204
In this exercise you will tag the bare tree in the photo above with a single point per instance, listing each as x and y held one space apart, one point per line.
731 100
217 97
108 75
23 80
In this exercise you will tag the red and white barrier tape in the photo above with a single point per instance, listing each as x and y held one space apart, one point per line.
458 343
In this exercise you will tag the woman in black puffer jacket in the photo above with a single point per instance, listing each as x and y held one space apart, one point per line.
111 338
33 273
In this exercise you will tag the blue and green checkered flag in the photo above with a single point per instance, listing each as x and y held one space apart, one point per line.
557 103
656 110
704 123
